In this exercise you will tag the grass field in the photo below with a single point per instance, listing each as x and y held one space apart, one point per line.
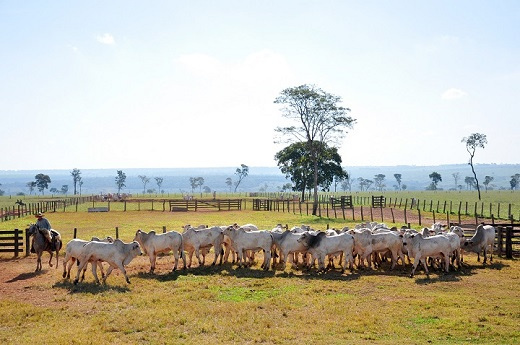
226 305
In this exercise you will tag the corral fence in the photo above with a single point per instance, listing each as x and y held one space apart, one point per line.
22 209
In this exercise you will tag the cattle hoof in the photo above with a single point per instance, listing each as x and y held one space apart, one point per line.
64 274
75 282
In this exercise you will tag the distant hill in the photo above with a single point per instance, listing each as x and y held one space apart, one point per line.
260 178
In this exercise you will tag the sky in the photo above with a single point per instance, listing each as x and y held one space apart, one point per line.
171 84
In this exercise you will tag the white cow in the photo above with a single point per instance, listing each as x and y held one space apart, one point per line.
117 255
200 240
321 245
289 247
153 244
421 248
482 240
243 240
73 250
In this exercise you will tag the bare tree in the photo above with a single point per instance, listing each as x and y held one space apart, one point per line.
456 177
472 142
319 118
159 181
144 180
241 173
398 180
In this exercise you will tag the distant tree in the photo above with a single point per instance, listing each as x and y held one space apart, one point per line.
76 177
470 182
398 180
436 178
120 181
53 190
346 183
487 181
2 192
31 185
456 177
472 142
403 187
80 185
206 189
286 187
241 173
42 182
150 190
379 180
64 189
144 180
364 184
229 183
319 119
159 182
196 182
515 181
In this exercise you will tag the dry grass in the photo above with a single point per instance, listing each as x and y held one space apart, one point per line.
223 304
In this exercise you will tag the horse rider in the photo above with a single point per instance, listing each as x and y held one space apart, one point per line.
43 223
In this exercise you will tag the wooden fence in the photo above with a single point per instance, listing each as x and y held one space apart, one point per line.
11 241
24 209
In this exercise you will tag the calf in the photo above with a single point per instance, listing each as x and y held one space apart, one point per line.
72 252
421 248
197 240
153 244
321 245
243 241
117 255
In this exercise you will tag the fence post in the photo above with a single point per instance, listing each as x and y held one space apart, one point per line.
393 218
419 210
164 229
117 232
75 233
500 234
16 244
509 242
26 243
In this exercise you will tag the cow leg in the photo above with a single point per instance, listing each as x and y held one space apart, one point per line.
110 268
176 263
152 257
82 264
197 254
94 271
485 255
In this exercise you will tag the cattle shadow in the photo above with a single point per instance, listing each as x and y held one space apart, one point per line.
25 276
89 287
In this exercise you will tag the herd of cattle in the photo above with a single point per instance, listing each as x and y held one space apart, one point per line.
371 243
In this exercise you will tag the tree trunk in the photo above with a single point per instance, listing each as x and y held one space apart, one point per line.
475 175
315 203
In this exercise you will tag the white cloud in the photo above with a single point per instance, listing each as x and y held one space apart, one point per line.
453 93
106 39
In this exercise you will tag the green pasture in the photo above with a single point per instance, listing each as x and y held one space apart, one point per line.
226 305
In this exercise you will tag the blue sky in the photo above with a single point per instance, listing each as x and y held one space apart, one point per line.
165 84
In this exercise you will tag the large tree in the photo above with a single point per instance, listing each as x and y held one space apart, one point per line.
398 180
319 119
294 162
42 182
76 177
472 142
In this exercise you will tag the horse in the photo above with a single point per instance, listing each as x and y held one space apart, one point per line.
42 240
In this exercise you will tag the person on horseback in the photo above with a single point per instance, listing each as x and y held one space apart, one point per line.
43 223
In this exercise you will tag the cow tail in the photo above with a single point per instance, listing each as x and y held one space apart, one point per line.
181 249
